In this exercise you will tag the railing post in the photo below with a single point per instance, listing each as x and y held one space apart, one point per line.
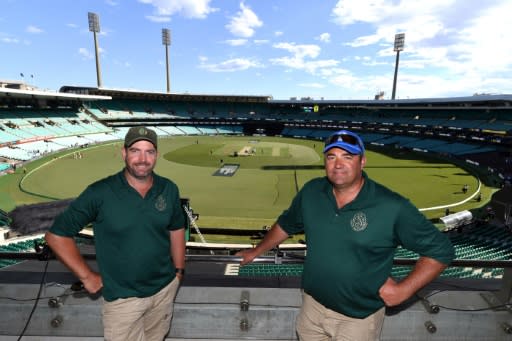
504 295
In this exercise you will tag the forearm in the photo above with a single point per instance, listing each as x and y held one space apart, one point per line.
425 270
67 252
275 236
178 248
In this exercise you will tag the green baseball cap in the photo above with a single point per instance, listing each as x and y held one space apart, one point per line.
135 134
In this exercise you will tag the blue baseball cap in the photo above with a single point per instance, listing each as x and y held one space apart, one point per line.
346 140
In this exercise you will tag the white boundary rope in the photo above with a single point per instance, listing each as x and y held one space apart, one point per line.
457 203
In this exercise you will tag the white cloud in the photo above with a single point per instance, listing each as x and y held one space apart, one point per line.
278 33
346 80
371 62
460 44
299 55
165 9
364 41
123 64
300 51
33 29
230 65
419 20
312 85
244 22
156 18
415 86
236 42
324 37
482 45
9 40
313 67
347 12
85 53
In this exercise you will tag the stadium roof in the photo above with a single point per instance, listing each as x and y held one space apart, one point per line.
147 95
502 100
42 94
478 101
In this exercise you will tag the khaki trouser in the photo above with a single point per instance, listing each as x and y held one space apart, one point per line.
140 319
318 323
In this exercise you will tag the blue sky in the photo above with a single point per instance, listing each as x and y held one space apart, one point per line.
280 48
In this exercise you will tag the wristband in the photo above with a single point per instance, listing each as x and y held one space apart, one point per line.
180 271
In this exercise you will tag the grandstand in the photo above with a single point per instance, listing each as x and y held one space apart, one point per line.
472 298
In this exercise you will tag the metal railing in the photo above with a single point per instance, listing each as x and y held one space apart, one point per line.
502 296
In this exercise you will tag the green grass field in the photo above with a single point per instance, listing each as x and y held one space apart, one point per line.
259 191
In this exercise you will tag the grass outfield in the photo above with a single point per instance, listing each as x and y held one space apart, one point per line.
256 194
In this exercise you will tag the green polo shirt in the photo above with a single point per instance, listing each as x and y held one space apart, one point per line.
350 250
131 233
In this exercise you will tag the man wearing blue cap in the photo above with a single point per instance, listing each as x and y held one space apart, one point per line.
353 226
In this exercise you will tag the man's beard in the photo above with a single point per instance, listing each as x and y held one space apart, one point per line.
132 170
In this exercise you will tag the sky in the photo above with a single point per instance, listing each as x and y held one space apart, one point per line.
321 49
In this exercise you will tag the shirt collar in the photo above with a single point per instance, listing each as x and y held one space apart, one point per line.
364 193
122 178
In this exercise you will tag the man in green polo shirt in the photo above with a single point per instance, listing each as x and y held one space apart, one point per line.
139 237
353 226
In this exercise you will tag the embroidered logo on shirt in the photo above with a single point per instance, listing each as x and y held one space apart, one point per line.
160 203
359 222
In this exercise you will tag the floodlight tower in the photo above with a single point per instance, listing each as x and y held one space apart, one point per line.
166 41
399 46
94 27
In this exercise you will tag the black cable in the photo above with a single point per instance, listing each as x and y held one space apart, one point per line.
424 298
42 298
37 300
431 294
450 285
505 306
237 304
